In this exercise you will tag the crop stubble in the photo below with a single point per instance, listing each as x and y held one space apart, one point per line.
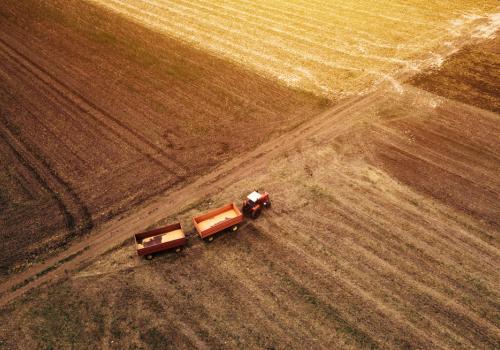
331 48
361 249
383 234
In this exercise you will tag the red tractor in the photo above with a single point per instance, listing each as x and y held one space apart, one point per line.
253 204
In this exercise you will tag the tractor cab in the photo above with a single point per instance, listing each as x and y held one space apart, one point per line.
253 204
254 197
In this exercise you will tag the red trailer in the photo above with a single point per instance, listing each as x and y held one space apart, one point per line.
215 221
163 238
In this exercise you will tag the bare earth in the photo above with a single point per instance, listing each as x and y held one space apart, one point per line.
469 76
98 115
384 230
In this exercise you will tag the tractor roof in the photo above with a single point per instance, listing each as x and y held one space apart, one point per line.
254 196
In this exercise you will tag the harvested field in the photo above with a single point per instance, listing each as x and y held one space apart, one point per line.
385 227
98 114
377 239
331 48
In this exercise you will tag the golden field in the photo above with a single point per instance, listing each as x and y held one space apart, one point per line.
332 48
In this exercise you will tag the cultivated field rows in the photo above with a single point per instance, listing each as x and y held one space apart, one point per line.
354 243
98 116
384 230
361 249
333 49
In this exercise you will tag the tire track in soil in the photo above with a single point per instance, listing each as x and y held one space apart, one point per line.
316 276
58 184
78 102
441 302
69 110
21 181
39 119
51 129
327 124
78 220
87 107
120 229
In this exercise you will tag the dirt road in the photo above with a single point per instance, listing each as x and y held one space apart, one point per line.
332 122
336 121
384 231
98 114
383 234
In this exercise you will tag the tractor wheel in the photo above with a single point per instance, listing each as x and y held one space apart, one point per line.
245 210
149 257
267 204
178 250
210 239
234 228
256 213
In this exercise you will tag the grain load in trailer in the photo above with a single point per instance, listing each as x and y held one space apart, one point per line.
218 220
160 239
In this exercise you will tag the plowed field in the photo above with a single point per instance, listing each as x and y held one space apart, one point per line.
98 114
468 76
384 230
384 233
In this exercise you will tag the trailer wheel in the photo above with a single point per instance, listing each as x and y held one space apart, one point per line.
149 257
234 228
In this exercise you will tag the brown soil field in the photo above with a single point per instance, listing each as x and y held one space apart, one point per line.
384 230
98 114
383 233
469 76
